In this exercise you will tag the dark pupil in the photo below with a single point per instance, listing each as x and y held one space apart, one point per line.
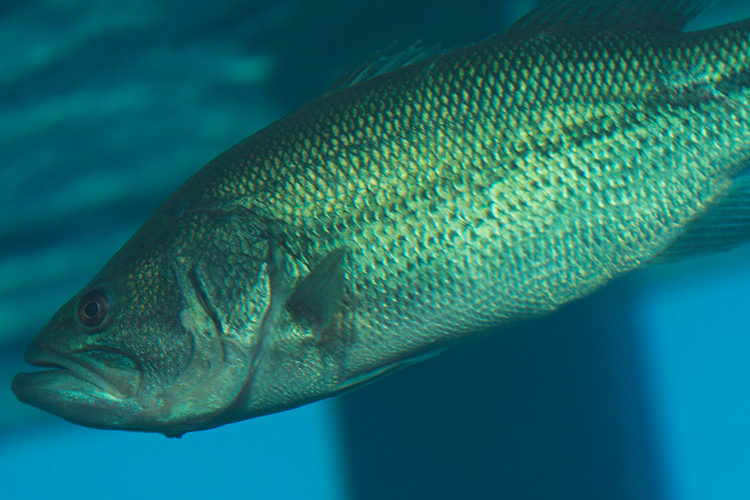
91 309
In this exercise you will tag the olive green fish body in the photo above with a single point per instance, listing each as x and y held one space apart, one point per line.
500 180
411 210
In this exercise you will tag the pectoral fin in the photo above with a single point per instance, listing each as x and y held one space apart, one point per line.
316 297
724 226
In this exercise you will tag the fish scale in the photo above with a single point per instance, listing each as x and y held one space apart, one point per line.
399 167
416 208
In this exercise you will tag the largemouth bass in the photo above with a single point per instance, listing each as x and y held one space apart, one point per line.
410 209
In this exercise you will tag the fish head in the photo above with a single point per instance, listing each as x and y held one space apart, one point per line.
198 321
147 345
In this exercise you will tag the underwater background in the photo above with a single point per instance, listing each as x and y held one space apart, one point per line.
641 391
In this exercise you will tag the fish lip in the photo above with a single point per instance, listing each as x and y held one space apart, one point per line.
82 369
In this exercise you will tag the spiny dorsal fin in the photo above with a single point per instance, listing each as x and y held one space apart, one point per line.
724 226
382 62
642 15
316 298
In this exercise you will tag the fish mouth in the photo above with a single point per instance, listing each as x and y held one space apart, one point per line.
93 368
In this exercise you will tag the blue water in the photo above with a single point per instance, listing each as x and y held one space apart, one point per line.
640 391
295 454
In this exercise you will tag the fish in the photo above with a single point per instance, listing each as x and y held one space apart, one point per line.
427 198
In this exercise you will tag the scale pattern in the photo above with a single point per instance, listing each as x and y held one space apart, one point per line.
497 181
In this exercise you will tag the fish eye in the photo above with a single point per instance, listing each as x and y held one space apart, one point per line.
92 308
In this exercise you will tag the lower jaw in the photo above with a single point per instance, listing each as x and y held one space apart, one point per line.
62 393
50 387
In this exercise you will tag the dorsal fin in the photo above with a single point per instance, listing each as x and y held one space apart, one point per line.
643 15
382 62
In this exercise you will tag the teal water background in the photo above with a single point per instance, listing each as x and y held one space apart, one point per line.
640 391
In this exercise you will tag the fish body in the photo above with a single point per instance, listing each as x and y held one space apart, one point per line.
419 207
